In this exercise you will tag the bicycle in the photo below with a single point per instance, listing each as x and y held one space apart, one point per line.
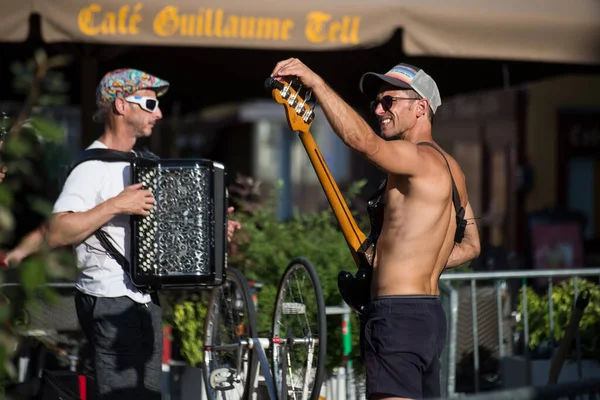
232 355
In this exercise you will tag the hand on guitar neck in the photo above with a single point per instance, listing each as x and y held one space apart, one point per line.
296 98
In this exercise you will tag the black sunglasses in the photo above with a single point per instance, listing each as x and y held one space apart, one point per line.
387 101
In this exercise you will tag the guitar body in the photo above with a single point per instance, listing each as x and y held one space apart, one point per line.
356 289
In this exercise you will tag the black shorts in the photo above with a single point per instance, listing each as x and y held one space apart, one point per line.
126 339
403 340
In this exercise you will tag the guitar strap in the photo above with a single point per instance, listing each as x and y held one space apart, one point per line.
461 223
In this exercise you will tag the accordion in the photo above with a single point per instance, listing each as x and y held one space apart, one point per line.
182 243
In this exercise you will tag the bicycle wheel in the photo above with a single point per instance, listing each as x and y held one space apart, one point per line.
299 333
229 363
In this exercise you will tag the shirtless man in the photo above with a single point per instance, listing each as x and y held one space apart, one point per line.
404 325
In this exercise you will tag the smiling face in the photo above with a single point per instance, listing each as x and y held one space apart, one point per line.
139 121
398 111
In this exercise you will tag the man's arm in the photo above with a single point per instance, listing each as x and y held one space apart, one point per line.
67 228
31 243
397 157
470 246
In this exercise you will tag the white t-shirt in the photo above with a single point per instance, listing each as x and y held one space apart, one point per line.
89 184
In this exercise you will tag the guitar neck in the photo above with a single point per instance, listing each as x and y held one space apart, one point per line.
353 235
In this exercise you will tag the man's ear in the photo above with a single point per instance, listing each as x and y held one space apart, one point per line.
422 107
119 106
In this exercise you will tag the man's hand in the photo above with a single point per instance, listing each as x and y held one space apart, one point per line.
232 226
14 257
134 200
30 244
292 67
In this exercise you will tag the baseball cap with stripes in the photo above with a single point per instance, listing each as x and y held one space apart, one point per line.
403 76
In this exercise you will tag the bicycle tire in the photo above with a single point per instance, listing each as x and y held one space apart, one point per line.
295 264
239 280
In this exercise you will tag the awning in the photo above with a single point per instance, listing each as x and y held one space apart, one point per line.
14 20
532 30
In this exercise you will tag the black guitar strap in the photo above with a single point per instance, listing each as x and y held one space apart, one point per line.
461 223
109 155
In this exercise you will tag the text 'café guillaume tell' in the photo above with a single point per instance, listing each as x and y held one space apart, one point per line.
319 27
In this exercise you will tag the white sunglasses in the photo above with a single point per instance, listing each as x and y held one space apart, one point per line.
147 103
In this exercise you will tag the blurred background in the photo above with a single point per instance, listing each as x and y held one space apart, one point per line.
520 112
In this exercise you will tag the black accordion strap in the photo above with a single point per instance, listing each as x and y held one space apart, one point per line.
106 241
108 155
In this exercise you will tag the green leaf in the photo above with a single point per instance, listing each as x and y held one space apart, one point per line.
18 148
6 196
33 275
41 206
46 128
563 296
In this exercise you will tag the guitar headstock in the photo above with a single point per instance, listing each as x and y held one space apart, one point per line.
299 109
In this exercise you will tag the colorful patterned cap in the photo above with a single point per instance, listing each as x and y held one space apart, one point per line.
125 81
403 76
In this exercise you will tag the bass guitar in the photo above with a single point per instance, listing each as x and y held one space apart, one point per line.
299 110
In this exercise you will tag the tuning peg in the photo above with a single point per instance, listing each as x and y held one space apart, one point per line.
300 108
293 100
308 116
285 91
312 103
308 95
271 83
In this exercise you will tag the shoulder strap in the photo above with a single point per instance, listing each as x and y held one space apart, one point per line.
455 195
91 155
109 155
376 196
460 210
106 155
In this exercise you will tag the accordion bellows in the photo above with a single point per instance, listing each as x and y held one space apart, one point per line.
183 241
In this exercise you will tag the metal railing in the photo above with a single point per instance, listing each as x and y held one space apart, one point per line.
570 390
451 307
499 277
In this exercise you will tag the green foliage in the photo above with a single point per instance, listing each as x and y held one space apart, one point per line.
24 194
266 245
188 319
53 87
563 298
